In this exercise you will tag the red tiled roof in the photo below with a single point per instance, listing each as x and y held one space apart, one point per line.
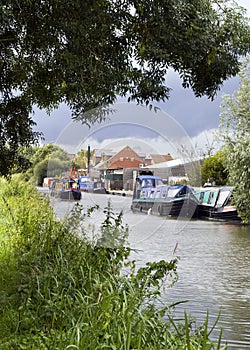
126 158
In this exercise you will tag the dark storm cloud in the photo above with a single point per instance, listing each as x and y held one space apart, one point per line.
194 114
51 125
122 131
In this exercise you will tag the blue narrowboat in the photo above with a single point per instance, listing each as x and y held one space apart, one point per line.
86 185
152 196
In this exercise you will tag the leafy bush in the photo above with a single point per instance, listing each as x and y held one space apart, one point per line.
234 131
60 290
214 167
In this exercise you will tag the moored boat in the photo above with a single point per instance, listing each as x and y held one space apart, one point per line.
65 189
215 204
174 201
86 185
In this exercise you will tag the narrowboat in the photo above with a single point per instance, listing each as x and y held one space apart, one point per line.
83 183
215 204
65 189
86 185
163 200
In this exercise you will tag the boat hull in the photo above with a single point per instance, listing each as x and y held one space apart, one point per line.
215 204
228 214
65 189
159 199
178 207
70 195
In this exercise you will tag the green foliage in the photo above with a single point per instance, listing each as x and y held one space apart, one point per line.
235 132
86 53
60 290
215 167
239 176
49 160
49 151
81 159
52 167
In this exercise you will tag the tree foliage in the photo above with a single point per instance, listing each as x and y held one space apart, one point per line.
214 167
86 53
235 132
47 152
49 160
81 159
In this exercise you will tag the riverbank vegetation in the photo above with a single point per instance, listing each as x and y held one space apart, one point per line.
234 131
61 290
39 161
213 168
230 165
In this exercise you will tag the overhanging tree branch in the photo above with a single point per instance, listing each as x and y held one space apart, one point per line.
86 53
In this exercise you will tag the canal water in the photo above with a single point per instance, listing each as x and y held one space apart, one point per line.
213 267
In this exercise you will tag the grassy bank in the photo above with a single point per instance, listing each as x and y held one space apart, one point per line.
59 290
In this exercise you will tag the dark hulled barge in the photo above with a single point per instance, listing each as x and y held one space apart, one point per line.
215 203
152 196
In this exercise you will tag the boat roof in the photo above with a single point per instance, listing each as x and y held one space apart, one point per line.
177 186
142 177
214 188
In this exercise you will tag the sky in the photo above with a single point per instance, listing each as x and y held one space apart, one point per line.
192 118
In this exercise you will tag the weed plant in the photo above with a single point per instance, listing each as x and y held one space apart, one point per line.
60 290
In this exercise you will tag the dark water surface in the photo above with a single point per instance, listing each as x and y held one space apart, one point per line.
213 263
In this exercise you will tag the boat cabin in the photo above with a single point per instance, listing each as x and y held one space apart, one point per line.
164 192
214 196
146 182
84 183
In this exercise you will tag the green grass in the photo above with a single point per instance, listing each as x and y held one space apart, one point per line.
59 290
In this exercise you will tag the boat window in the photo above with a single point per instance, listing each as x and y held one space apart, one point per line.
212 196
172 192
152 194
84 179
142 194
182 192
158 194
146 183
158 182
164 193
223 195
201 197
151 182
